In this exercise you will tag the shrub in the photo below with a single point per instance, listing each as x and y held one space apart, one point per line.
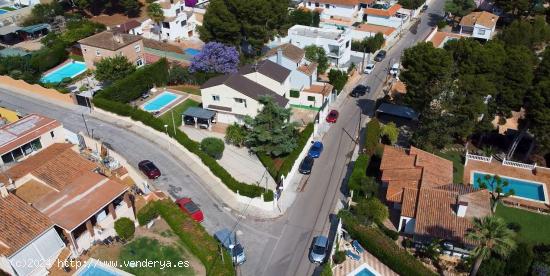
441 24
514 226
390 132
125 228
384 249
338 79
372 136
268 196
339 257
407 243
292 156
327 270
372 210
235 134
213 147
388 232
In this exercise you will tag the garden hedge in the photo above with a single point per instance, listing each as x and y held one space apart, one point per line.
125 228
191 233
383 248
359 171
372 136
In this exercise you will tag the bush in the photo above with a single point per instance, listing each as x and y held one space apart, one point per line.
292 156
361 184
441 24
339 257
371 210
338 79
213 147
125 228
327 270
191 233
514 226
235 134
384 249
268 196
388 232
372 136
407 243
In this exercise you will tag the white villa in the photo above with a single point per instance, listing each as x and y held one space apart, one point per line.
479 25
179 22
336 42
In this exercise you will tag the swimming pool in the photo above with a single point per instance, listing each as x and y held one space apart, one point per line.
95 267
364 270
69 70
3 11
160 101
191 51
522 188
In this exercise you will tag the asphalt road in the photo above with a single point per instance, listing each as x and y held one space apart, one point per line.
274 247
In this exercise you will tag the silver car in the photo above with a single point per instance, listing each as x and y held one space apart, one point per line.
318 251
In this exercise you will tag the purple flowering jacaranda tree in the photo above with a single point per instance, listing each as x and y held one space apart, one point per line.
216 57
190 3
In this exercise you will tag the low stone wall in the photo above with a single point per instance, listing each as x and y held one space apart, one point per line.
37 90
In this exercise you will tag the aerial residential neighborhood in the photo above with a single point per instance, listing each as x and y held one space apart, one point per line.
263 137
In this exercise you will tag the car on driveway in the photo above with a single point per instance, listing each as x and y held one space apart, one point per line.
315 149
318 251
332 116
359 91
229 241
380 56
149 169
369 68
189 207
306 165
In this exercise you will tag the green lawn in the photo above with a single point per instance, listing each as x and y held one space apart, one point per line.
458 164
143 249
7 8
177 110
534 227
76 57
187 89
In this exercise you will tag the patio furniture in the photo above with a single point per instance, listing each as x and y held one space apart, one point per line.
357 246
352 255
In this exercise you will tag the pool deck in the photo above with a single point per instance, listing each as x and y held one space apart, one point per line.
152 95
540 174
349 265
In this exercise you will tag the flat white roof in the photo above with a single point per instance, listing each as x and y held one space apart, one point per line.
313 32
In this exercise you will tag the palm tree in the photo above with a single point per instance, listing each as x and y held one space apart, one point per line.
495 185
490 235
154 11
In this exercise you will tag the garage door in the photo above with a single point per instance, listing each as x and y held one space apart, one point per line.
37 254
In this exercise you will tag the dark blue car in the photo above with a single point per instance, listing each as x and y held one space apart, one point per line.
315 150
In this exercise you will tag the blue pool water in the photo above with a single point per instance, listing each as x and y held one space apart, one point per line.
93 270
365 272
3 11
160 101
522 188
192 52
69 70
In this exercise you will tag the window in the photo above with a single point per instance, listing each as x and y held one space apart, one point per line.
52 134
27 148
239 100
139 62
7 158
36 145
166 25
327 6
183 23
309 4
216 98
177 11
317 5
311 98
97 53
347 44
481 32
138 48
294 94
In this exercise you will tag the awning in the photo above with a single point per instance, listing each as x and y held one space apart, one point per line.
35 28
9 29
198 112
398 110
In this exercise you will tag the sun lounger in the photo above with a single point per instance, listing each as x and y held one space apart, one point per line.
352 255
357 246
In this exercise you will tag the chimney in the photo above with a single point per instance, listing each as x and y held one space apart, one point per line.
3 190
461 208
117 37
280 55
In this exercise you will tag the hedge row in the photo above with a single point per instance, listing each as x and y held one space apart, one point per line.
146 118
290 159
359 171
383 248
191 233
372 136
134 85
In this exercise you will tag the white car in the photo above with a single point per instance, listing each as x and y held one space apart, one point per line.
369 68
394 71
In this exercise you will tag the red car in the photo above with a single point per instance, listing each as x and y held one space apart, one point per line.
149 169
188 206
332 116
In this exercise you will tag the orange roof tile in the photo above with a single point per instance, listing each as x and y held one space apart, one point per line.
485 19
324 89
408 207
308 69
402 174
371 28
25 130
391 11
440 37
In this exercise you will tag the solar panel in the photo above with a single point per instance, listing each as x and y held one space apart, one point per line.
24 125
6 137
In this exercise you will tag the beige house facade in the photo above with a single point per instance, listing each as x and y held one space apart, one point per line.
110 44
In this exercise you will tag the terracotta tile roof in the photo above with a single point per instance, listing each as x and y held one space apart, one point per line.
20 223
341 2
308 69
394 192
290 51
25 130
32 191
127 26
323 89
441 37
408 207
398 87
402 174
82 198
485 19
371 28
391 11
109 41
57 166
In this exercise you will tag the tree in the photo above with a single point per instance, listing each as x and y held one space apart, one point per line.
110 69
178 75
125 228
459 7
154 11
390 132
411 4
520 260
337 79
216 57
369 44
301 17
43 13
371 210
235 134
372 136
131 7
191 3
317 54
490 235
271 132
220 25
432 250
516 7
496 187
525 33
316 19
538 113
213 147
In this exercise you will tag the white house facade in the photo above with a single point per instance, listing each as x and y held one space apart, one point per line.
479 25
178 22
329 9
335 42
303 72
388 15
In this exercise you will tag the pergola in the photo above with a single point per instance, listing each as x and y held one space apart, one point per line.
200 115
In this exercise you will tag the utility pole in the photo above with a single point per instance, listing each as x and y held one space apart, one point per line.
85 125
173 122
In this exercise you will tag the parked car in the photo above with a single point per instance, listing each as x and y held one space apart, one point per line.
315 149
332 116
306 165
188 206
369 68
394 70
380 56
149 169
358 91
318 251
228 240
